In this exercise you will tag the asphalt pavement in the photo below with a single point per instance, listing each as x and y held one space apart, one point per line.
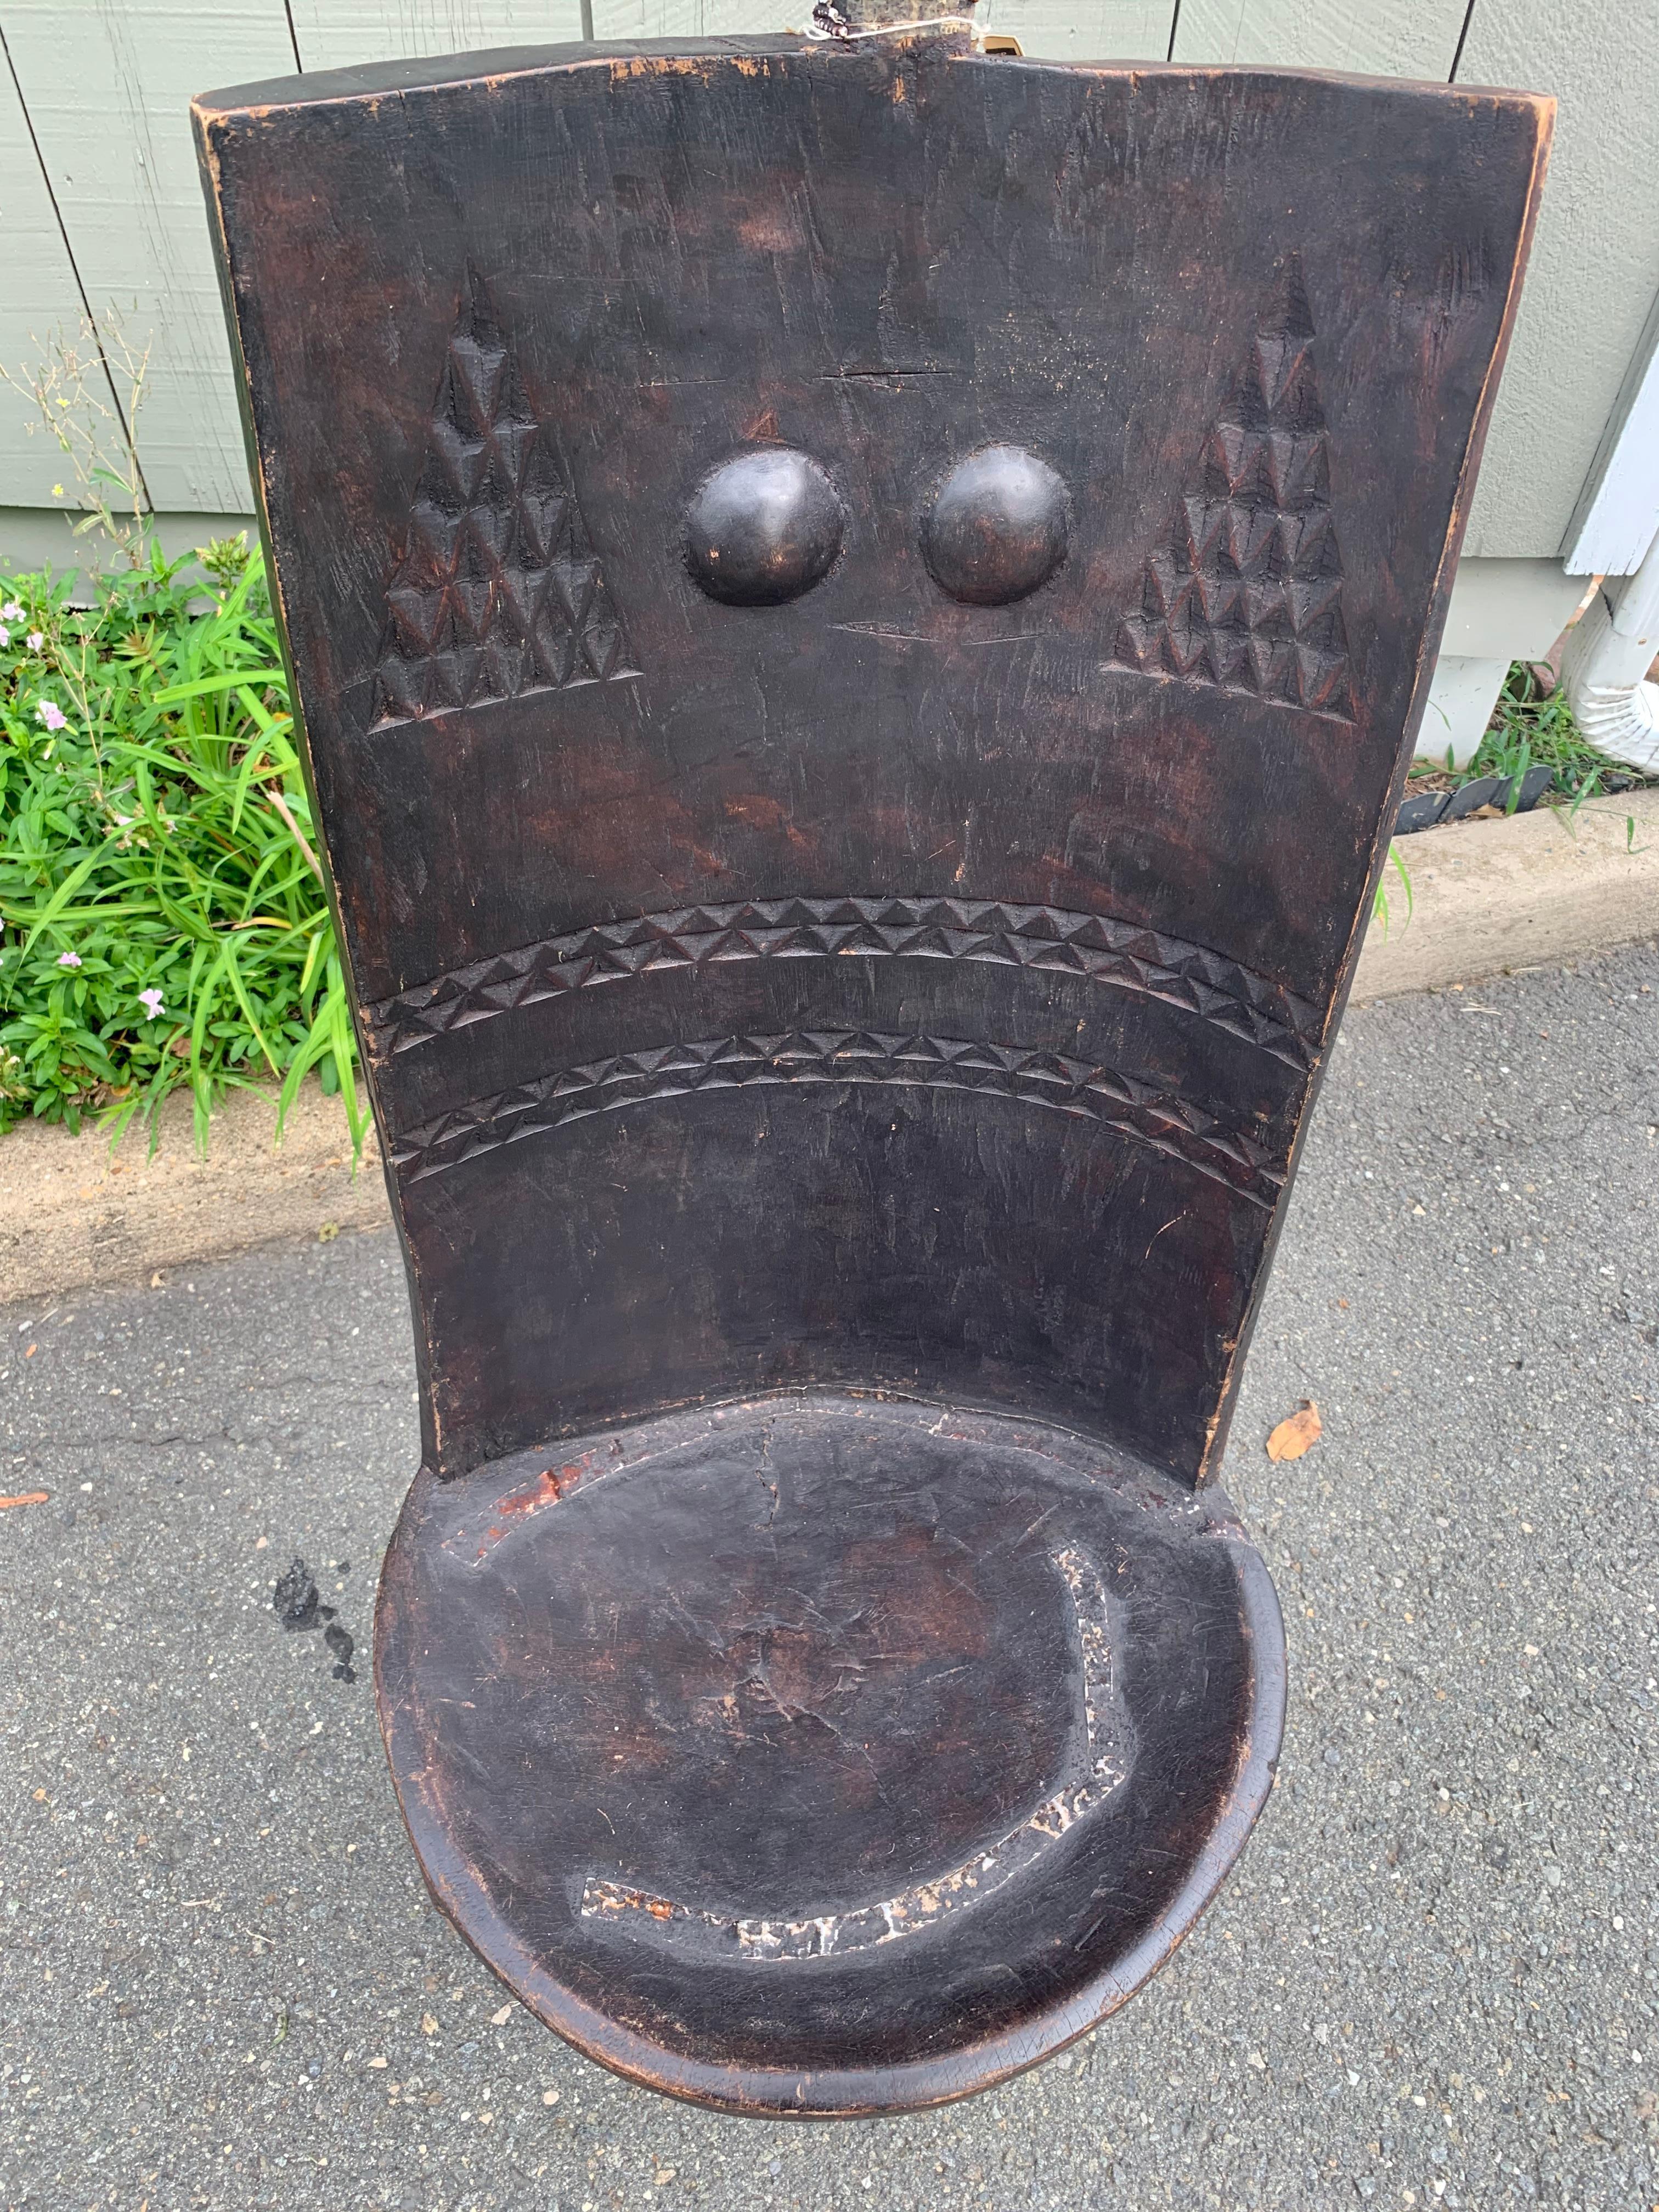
1431 1981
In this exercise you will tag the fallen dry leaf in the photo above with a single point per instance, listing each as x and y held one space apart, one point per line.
1293 1437
24 1498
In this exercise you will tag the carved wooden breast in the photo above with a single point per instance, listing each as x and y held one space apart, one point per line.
858 616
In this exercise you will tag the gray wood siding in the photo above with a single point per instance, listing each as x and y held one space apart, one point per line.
339 33
1595 261
1370 38
107 86
109 167
1084 30
37 294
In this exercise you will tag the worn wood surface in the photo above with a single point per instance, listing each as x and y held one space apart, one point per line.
858 616
823 1756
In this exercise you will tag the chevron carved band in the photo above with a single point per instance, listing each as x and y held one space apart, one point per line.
1127 1104
1123 956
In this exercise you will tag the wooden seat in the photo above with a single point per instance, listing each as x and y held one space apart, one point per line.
859 613
776 1744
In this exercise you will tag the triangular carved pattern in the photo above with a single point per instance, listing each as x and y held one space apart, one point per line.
497 592
1247 592
1122 955
1130 1105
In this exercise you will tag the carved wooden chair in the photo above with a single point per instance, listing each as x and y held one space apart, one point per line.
858 612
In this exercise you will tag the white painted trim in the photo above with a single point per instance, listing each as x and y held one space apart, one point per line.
1509 609
1617 517
1607 660
1461 695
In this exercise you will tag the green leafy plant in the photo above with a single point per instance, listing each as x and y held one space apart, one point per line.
163 922
85 392
1532 726
1380 912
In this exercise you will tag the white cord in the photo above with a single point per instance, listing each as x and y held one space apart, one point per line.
829 23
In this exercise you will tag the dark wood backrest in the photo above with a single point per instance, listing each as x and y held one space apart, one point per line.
905 956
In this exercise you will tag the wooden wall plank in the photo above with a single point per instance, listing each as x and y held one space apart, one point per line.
696 19
340 33
1594 262
38 295
107 85
1373 38
114 135
1061 30
1084 30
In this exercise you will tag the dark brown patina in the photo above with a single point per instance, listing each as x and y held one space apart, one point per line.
764 528
997 529
858 612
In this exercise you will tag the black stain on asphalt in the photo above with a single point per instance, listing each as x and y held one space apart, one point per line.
295 1597
296 1605
340 1642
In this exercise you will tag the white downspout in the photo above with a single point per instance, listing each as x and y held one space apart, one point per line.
1611 648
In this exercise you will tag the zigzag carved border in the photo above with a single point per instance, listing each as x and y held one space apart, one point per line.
1121 955
1128 1104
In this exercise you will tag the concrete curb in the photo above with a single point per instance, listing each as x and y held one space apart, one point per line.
1532 891
1489 897
73 1213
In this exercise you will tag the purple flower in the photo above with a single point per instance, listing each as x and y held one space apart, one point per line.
69 960
35 641
151 1001
11 611
52 715
5 635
